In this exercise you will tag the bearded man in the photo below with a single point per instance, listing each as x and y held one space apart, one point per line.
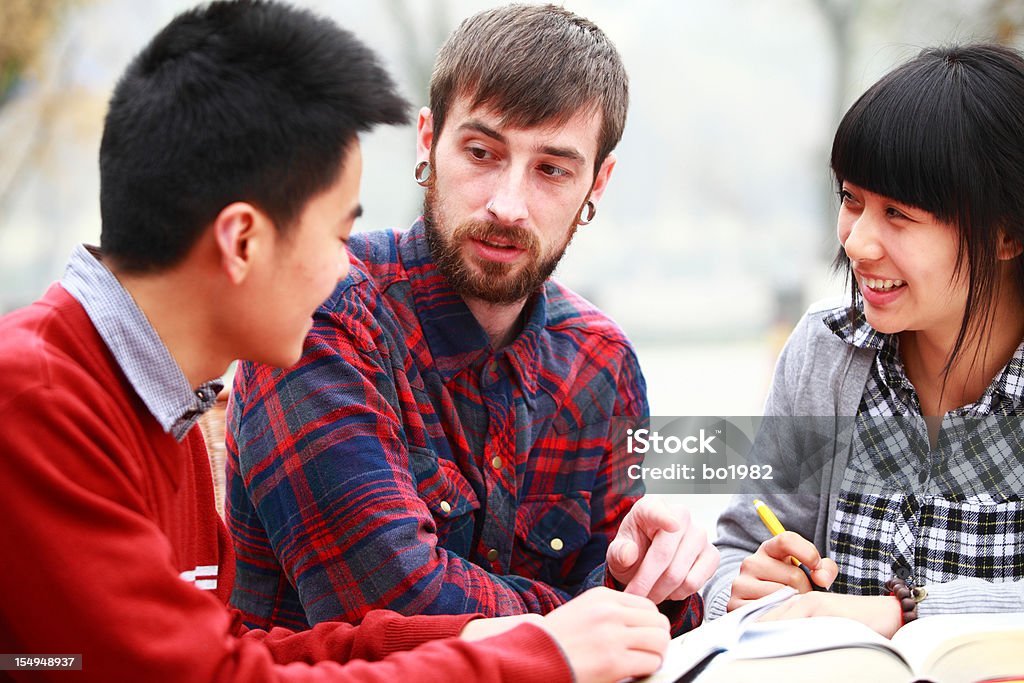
445 444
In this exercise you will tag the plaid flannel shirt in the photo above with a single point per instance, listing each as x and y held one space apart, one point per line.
404 464
928 515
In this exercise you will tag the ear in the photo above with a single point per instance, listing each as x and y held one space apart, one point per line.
604 173
1008 248
424 134
240 232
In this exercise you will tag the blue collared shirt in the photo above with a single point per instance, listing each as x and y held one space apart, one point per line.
136 346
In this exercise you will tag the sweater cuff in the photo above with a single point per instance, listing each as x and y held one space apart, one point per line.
405 633
964 596
717 606
530 654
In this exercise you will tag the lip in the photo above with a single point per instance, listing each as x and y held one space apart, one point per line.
499 254
876 298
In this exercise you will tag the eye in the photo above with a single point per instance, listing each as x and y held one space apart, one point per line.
478 153
552 171
845 196
893 212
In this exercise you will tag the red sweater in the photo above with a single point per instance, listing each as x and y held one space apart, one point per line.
112 547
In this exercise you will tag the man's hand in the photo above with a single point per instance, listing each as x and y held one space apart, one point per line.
880 612
770 568
659 554
606 636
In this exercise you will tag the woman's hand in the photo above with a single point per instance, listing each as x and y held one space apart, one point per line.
770 569
880 612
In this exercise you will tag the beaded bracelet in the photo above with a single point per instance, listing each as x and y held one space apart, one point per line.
908 598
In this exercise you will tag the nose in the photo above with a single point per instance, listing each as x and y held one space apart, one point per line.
859 237
507 204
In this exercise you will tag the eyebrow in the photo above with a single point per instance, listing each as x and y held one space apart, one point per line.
561 152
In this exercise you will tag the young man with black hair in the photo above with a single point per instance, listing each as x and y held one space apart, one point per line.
446 443
230 167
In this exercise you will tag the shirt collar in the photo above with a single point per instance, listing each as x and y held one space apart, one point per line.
135 345
851 325
1009 383
456 339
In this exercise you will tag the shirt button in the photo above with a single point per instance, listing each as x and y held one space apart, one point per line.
201 394
922 477
492 554
496 463
556 544
446 507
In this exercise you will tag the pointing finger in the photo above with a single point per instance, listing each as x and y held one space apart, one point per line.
654 562
622 555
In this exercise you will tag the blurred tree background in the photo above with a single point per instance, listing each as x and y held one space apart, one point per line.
38 104
716 231
28 27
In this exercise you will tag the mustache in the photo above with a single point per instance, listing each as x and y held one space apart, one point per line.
521 238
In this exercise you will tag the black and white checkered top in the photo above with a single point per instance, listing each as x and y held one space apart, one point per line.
928 515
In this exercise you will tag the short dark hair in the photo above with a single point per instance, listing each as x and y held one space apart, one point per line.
533 64
244 100
945 133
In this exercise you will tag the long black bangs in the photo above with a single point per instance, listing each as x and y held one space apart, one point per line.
903 139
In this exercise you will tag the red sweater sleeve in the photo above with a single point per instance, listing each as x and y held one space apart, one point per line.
88 569
525 653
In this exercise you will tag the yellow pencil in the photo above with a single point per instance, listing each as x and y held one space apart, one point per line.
775 528
769 518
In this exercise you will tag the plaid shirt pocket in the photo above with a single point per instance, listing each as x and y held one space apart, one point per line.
975 539
551 530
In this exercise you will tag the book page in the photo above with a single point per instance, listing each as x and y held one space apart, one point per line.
953 642
763 640
946 649
690 649
844 665
809 650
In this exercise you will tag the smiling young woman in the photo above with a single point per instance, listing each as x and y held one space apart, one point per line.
926 362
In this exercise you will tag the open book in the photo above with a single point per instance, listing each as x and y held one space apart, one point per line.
967 648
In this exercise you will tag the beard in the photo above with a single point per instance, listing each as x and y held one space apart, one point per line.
490 281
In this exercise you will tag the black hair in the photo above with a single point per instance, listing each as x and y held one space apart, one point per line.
246 100
944 132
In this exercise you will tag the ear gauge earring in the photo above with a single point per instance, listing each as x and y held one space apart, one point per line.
422 173
588 210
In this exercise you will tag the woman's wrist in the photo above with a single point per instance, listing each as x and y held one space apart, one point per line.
906 597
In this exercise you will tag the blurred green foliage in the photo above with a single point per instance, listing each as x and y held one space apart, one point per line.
26 27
